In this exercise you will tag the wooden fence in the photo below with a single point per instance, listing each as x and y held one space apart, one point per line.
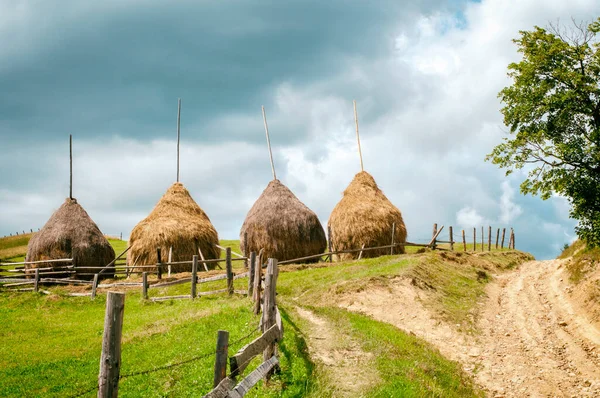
451 242
226 384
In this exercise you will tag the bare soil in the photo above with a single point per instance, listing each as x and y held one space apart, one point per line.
536 338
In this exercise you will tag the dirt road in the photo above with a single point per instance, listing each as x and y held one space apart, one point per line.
533 342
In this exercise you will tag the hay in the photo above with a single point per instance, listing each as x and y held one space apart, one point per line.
178 222
282 225
71 232
365 216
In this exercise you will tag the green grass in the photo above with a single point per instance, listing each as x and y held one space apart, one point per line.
407 366
51 344
584 260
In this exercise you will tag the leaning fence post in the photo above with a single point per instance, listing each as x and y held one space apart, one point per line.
393 233
158 263
451 237
194 276
503 234
145 285
221 356
110 360
229 270
269 307
36 283
94 286
251 271
464 240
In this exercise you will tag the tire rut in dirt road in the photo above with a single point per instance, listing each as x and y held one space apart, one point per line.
528 346
533 341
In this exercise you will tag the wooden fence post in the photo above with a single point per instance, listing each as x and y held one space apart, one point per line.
503 233
451 237
329 243
110 360
269 307
497 237
251 271
464 240
474 239
482 238
194 276
257 281
145 285
393 233
36 283
94 286
489 238
513 238
169 260
221 356
158 263
229 270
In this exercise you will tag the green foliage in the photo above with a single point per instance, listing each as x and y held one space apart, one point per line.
553 111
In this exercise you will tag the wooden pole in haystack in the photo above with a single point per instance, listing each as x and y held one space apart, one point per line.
358 137
70 166
178 134
269 142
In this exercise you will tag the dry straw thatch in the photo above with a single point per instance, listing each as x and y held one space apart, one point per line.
71 232
282 225
176 222
365 216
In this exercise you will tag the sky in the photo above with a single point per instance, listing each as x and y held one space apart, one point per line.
425 75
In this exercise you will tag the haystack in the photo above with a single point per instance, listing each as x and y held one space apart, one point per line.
71 232
365 216
176 222
282 225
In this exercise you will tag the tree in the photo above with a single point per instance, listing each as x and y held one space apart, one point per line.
552 109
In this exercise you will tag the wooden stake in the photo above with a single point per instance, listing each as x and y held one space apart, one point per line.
158 264
70 166
110 360
474 239
482 238
435 232
145 285
229 270
329 243
497 237
513 238
269 142
194 276
450 232
361 251
94 286
251 271
490 238
221 356
257 280
178 126
358 137
36 283
464 240
393 232
169 259
270 307
503 234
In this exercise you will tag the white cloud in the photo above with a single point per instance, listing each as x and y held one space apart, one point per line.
509 210
468 217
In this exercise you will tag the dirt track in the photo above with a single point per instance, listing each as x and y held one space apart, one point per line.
534 341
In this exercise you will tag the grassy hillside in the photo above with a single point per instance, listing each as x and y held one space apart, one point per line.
51 344
584 260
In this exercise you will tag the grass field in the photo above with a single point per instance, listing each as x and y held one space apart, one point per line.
51 344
